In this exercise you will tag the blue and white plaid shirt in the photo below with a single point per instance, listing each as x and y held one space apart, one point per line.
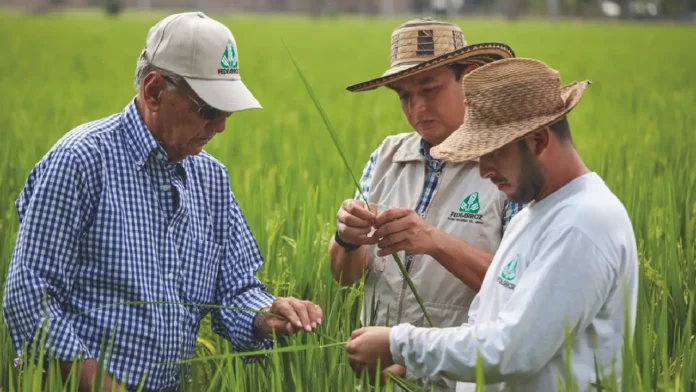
430 187
104 218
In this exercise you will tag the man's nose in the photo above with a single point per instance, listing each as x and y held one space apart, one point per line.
416 104
219 124
485 167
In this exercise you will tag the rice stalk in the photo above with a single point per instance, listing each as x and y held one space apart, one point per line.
336 143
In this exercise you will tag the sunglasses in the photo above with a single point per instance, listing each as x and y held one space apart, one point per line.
204 110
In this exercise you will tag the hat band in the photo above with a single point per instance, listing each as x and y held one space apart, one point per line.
425 43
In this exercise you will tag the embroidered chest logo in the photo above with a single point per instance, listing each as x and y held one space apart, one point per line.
509 273
229 62
470 204
468 210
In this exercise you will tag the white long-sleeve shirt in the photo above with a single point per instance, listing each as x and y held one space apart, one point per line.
571 258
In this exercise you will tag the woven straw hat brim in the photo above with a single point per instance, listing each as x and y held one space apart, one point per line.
476 54
471 141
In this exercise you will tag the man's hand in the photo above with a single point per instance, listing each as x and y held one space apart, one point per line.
355 222
88 373
368 345
401 229
397 370
296 315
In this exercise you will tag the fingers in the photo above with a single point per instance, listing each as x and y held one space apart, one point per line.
283 307
355 334
395 220
298 314
396 370
301 311
394 238
315 313
393 248
353 221
392 227
392 215
356 235
359 210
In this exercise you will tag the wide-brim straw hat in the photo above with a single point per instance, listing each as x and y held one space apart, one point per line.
423 44
505 101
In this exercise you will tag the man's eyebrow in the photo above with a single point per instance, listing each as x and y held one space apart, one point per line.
421 83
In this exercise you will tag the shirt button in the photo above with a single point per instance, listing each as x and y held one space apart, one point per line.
166 187
171 229
170 276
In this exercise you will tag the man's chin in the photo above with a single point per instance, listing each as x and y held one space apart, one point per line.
196 150
516 197
192 151
433 135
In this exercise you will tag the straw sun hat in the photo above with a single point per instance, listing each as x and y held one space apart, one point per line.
423 44
505 101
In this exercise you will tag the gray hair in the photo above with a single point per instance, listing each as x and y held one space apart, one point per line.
144 67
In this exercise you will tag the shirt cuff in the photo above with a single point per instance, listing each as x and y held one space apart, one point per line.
61 341
398 338
253 343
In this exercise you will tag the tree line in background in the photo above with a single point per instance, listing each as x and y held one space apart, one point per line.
619 9
682 10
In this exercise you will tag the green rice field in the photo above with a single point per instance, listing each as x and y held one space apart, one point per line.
636 127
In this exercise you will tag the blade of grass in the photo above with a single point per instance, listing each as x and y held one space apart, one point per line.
330 128
405 385
288 349
211 306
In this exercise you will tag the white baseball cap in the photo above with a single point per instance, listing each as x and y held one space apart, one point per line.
204 52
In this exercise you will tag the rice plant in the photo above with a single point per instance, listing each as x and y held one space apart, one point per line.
636 127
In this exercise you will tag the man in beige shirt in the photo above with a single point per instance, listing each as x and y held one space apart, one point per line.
444 221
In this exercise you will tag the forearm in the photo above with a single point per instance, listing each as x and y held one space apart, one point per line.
347 267
433 354
452 353
468 263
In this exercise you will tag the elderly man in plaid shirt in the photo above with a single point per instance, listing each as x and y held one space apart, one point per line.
130 208
443 220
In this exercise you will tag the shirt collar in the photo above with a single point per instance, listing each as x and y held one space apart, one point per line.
143 146
429 160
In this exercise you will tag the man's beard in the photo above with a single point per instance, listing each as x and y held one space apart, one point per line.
530 181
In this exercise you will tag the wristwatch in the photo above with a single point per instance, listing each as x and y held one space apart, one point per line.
346 245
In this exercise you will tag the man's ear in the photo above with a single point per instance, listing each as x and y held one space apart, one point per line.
470 68
539 141
153 87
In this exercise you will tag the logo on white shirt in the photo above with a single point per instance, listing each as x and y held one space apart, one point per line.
509 273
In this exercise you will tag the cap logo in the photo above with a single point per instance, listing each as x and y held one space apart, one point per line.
229 62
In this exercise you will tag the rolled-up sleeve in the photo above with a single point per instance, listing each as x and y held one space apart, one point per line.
567 281
238 286
54 209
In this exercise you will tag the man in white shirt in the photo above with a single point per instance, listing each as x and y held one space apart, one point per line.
567 260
